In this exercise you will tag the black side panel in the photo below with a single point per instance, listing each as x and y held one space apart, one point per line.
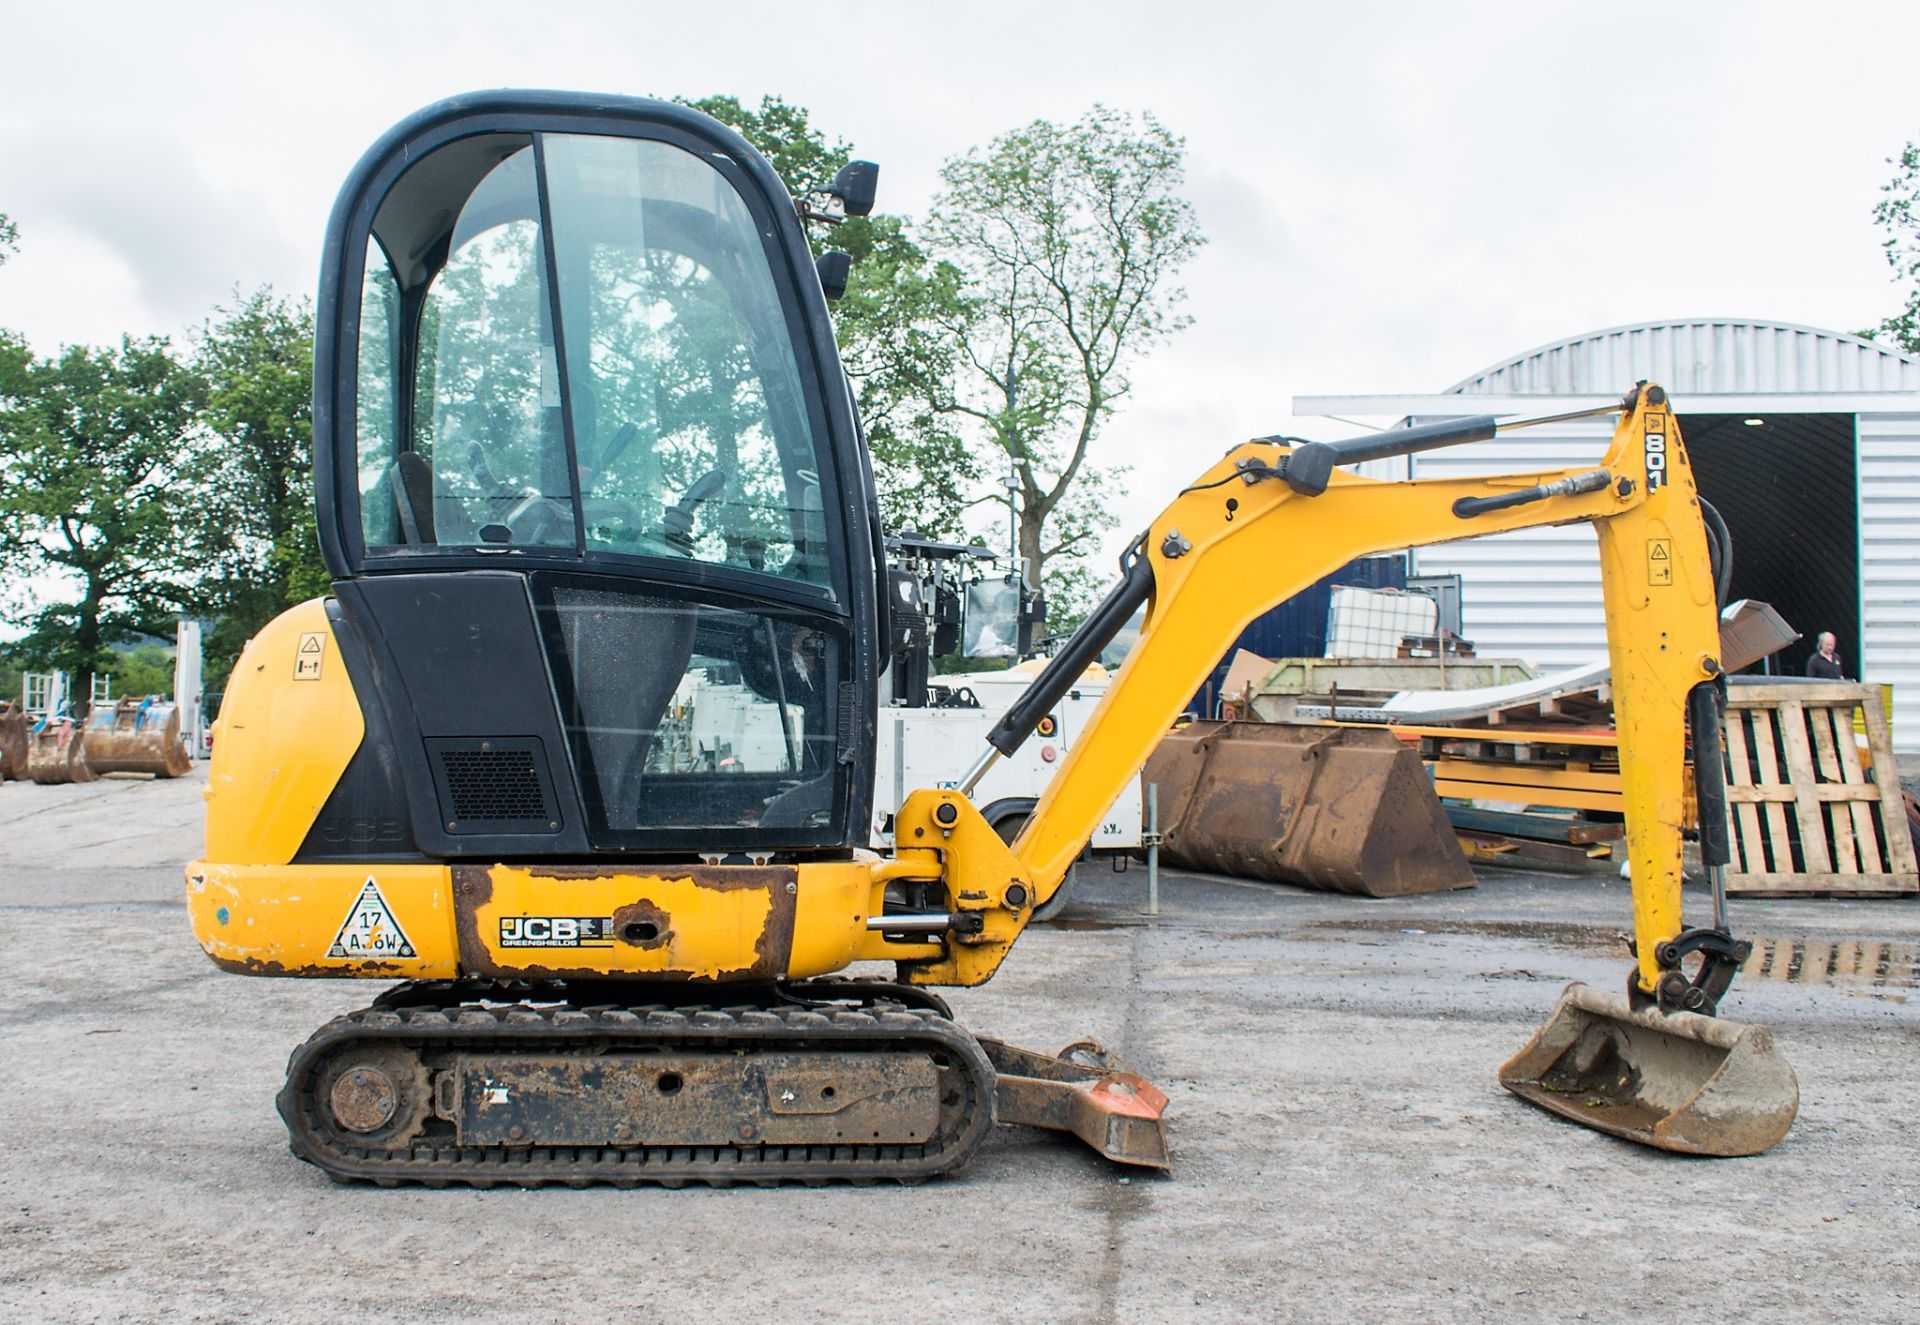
366 816
456 664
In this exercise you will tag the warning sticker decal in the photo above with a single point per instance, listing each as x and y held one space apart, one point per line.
1659 561
370 930
306 663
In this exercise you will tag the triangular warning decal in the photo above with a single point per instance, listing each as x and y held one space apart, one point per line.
370 930
1659 552
309 644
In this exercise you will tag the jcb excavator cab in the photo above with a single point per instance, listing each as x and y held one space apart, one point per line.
592 493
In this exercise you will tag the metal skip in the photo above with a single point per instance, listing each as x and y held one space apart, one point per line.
1673 1080
1346 809
137 736
13 741
56 754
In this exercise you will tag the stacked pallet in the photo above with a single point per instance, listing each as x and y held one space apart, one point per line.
1803 813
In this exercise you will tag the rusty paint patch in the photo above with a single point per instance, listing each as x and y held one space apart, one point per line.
714 878
473 890
642 925
331 970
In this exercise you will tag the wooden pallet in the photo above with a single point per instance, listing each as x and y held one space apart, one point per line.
1803 816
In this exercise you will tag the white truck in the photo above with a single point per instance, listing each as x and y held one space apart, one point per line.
934 745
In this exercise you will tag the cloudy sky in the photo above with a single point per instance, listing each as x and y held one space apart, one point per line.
1397 194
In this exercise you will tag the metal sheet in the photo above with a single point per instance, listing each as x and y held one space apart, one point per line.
1888 470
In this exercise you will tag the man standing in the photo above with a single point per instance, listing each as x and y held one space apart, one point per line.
1825 662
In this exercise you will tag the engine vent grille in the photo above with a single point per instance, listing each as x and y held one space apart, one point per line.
493 786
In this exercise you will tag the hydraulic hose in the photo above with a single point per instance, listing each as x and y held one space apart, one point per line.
1082 647
1719 551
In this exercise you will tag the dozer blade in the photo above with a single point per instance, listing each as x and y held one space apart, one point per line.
1084 1090
1345 809
1675 1080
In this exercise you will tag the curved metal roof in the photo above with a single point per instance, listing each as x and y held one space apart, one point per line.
1702 356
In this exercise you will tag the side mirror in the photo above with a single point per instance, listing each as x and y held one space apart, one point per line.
1033 617
856 185
833 268
851 193
906 621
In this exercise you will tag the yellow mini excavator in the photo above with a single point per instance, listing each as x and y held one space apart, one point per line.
579 750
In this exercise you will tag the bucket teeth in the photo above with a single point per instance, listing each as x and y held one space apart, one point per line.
1676 1080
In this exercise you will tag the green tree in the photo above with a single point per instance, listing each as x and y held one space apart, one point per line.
1069 237
147 670
1898 213
103 475
894 325
256 358
9 238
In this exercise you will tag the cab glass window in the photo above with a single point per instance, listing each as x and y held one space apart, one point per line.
625 385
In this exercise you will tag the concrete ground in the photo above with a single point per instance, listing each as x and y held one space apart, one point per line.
1341 1148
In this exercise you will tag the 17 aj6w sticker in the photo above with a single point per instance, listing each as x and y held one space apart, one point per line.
370 929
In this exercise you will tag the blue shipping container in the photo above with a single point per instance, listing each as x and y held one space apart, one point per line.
1298 627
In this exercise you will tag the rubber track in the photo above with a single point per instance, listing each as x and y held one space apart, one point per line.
437 1161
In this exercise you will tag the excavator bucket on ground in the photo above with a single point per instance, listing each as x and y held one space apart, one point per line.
137 736
1673 1080
1343 809
13 741
56 753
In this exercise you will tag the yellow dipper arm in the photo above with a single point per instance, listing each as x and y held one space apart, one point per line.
1243 538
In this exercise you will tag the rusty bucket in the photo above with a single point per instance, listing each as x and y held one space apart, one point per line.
13 741
1346 809
56 753
137 736
1673 1080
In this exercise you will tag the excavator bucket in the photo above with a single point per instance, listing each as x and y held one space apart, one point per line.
56 753
1341 808
137 736
1673 1080
13 741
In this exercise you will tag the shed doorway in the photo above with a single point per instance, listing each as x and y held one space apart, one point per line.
1787 486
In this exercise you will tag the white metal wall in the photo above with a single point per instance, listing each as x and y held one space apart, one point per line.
1534 593
1889 476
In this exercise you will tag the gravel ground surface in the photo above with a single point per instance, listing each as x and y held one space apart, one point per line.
1341 1148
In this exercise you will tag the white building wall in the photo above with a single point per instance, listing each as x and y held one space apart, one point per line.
1889 476
1534 593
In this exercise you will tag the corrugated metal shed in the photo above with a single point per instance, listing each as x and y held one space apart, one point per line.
1701 356
1536 593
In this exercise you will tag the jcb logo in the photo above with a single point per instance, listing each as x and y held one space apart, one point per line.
555 931
1656 461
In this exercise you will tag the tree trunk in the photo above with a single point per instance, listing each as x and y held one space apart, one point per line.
1033 560
86 641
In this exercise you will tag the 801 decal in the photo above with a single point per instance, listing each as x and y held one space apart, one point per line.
1656 461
